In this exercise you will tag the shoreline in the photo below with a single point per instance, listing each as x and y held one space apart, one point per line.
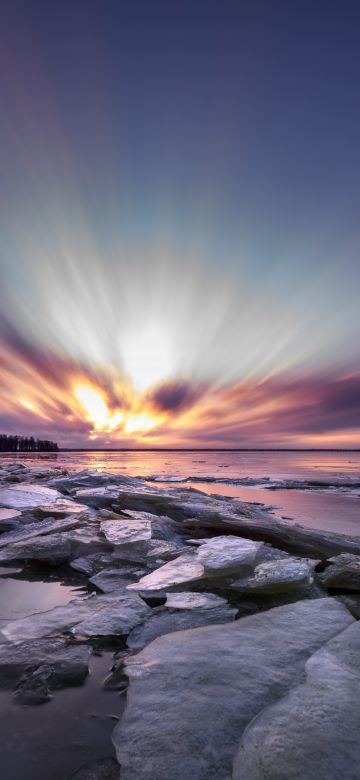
185 449
172 579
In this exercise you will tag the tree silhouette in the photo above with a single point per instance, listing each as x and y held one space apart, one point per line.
13 443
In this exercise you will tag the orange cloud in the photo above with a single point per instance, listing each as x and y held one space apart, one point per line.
50 395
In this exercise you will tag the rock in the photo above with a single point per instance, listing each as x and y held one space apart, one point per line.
124 531
69 666
86 541
83 479
227 553
25 656
117 680
162 528
167 622
138 517
34 688
61 508
64 668
135 552
31 530
134 495
97 496
39 666
199 689
343 573
55 621
313 731
111 579
270 553
82 616
27 496
188 600
15 467
352 602
159 548
8 525
277 576
53 549
93 563
186 568
46 472
8 519
258 524
152 549
115 620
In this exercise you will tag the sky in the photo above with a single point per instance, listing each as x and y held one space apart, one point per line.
179 222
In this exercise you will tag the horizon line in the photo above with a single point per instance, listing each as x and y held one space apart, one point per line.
209 449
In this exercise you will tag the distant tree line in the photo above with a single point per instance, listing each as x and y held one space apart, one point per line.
26 444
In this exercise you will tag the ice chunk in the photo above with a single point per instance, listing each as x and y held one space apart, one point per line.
26 496
126 531
277 576
186 568
226 553
343 572
166 622
31 530
189 600
203 687
115 620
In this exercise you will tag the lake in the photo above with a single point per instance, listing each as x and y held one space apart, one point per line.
335 506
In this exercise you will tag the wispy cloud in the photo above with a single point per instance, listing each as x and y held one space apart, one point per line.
50 394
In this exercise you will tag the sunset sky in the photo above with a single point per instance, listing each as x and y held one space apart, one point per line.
179 222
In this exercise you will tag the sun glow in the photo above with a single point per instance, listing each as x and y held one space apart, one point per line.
140 422
95 407
28 405
148 357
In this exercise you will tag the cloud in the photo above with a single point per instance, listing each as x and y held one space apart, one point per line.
176 396
280 411
37 397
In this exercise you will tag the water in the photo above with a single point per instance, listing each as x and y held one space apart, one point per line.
20 598
55 739
300 464
337 509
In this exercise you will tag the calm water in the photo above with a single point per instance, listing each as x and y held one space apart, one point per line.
55 739
19 598
273 464
336 510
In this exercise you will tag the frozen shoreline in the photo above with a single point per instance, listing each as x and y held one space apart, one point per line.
165 568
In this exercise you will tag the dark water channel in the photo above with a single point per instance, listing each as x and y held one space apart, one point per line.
53 740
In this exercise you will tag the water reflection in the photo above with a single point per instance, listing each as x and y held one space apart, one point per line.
331 512
274 464
336 512
22 597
